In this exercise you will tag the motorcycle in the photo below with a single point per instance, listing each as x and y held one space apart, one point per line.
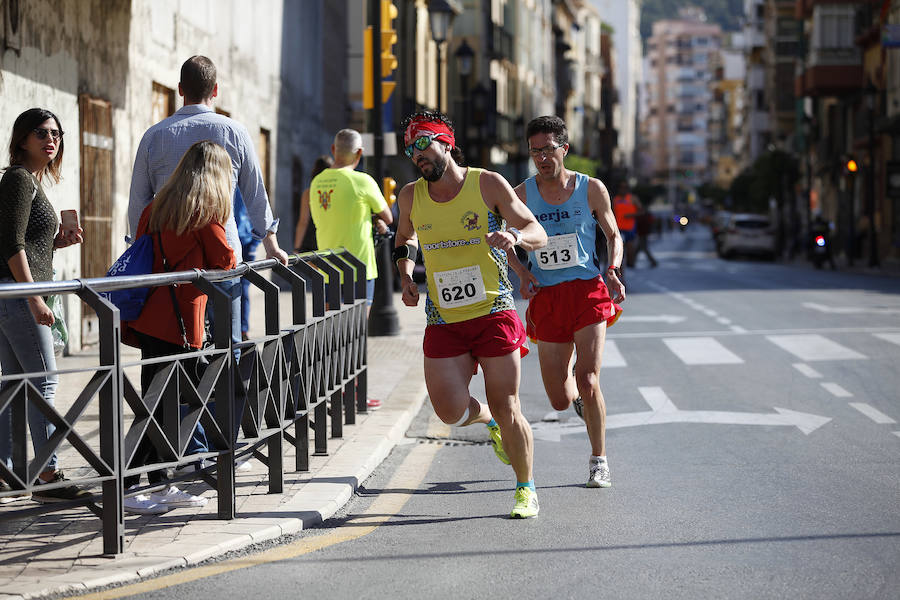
820 251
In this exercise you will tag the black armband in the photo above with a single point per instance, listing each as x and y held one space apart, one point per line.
407 251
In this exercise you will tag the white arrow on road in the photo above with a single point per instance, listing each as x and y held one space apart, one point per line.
652 318
850 310
663 411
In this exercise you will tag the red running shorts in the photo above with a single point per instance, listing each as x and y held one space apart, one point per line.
558 311
496 334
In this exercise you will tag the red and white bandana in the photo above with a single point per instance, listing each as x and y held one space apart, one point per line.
421 126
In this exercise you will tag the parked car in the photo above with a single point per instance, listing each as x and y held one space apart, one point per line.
749 235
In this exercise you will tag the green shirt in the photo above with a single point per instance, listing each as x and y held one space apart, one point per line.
341 203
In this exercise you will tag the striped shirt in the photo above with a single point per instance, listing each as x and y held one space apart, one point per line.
165 143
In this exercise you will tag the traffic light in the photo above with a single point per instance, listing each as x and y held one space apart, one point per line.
389 189
388 60
850 166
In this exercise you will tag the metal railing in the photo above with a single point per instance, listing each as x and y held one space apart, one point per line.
285 384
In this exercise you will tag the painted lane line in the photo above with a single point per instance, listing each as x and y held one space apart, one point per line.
873 413
657 399
835 390
671 319
723 321
742 331
814 347
701 351
897 433
893 338
612 357
807 371
850 310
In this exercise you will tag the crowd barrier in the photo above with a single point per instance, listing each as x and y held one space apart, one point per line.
301 371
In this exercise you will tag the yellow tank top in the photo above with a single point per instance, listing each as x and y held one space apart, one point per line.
466 277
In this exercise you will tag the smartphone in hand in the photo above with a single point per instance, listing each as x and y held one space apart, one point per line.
68 221
69 228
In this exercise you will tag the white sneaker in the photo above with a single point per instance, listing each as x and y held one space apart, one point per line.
599 474
143 505
172 497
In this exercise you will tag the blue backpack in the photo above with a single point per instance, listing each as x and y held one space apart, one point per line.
136 260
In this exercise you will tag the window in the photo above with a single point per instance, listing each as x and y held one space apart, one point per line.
163 101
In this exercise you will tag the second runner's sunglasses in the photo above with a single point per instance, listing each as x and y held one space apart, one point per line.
421 143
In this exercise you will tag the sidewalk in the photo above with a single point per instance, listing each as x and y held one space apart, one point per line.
60 552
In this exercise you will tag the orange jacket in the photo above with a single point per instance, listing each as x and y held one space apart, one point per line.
203 248
626 212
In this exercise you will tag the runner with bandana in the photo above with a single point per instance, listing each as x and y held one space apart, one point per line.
464 220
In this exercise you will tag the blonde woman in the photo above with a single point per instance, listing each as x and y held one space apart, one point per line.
186 221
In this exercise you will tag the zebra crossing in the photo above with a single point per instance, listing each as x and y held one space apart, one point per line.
709 350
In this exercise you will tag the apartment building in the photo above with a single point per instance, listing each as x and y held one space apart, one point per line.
682 58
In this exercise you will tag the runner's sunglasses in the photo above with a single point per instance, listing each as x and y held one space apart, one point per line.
421 143
42 133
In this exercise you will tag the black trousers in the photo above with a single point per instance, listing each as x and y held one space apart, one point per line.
146 454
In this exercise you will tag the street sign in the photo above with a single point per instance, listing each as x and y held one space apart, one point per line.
390 144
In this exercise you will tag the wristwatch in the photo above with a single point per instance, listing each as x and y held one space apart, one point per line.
516 234
616 270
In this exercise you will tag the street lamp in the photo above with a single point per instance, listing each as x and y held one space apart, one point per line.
441 14
871 92
464 58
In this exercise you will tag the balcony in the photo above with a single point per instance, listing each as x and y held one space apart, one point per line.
830 72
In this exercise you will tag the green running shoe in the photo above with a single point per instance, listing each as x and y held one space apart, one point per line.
497 442
526 504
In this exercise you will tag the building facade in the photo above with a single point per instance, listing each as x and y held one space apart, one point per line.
110 69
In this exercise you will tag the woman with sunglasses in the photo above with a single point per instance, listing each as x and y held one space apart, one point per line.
29 234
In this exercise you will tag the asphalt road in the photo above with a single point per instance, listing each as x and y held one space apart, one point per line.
754 447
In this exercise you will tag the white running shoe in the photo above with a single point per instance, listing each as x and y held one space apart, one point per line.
599 474
141 504
172 497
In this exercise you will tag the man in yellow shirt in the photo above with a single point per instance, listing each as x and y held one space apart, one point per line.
464 220
342 202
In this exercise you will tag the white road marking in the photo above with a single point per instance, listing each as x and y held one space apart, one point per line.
872 412
701 351
738 329
836 390
893 338
742 331
851 310
897 433
611 355
664 411
723 321
807 370
814 347
652 318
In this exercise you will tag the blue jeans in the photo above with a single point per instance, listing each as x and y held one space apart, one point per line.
26 347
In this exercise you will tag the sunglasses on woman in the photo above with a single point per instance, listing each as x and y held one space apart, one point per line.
42 133
421 143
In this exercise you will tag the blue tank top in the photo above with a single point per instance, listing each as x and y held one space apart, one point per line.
571 251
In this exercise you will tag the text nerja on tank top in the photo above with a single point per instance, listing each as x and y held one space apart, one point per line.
571 251
466 277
